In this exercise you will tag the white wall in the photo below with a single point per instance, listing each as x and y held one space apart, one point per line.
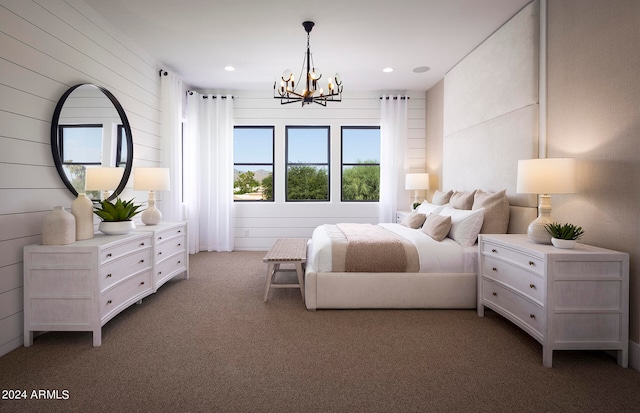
46 46
259 224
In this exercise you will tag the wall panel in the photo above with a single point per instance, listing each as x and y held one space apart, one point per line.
46 46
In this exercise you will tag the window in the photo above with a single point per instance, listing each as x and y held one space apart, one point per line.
360 163
253 163
307 163
80 146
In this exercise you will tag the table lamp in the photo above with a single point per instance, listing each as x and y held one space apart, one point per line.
545 177
151 179
416 181
103 179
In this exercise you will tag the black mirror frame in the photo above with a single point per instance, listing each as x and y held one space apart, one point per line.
54 139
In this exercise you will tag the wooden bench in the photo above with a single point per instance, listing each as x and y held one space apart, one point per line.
286 251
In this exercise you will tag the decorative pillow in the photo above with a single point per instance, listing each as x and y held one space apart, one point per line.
465 224
441 198
462 200
414 220
437 226
496 211
426 208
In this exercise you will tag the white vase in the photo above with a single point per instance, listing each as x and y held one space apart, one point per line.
58 227
116 227
82 210
563 243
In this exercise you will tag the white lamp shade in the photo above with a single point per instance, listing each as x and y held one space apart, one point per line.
103 178
546 176
416 181
151 179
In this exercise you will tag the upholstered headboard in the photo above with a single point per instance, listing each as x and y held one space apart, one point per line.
491 114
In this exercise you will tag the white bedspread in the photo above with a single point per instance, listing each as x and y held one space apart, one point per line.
435 257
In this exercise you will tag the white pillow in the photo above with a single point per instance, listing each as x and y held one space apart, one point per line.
465 224
426 208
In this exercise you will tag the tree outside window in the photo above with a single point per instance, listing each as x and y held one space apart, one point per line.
307 163
360 163
253 163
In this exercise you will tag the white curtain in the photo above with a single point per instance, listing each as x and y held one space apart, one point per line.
393 141
209 172
171 94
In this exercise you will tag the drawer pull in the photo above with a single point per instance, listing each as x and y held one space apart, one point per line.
141 282
159 272
494 250
108 275
109 302
160 253
494 293
532 286
109 255
532 316
142 244
141 261
179 262
179 245
532 263
159 238
494 269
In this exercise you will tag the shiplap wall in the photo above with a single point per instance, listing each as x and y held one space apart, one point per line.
46 46
258 225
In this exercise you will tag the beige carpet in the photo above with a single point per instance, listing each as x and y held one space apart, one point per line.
210 344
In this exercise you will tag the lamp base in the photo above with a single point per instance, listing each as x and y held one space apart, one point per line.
151 215
537 231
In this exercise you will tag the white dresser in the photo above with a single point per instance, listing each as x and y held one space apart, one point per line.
573 299
81 286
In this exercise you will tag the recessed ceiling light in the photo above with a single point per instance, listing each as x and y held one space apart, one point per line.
229 68
421 69
387 69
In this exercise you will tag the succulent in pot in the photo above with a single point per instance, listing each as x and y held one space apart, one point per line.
564 235
116 216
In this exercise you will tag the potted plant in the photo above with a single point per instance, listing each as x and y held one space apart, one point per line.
116 216
564 235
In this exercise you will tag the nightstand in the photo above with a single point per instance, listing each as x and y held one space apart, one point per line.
401 215
573 299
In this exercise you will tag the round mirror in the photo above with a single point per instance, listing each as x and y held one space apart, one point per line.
90 129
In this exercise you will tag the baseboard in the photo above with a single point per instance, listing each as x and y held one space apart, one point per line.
634 355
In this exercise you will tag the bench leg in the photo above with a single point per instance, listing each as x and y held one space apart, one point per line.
300 273
270 274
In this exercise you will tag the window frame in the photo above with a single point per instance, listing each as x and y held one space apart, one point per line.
314 164
343 164
272 164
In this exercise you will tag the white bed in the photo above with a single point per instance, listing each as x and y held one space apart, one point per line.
448 277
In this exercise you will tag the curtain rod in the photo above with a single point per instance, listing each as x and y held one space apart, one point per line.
191 92
395 97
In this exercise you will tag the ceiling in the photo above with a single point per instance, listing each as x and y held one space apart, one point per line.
357 38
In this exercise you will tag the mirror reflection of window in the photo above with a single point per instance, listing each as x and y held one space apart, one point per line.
80 147
121 154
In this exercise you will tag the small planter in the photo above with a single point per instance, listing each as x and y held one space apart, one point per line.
563 243
116 227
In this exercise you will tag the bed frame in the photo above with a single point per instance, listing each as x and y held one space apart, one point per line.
353 290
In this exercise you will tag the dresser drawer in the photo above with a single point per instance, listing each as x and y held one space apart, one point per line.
169 247
170 265
515 307
123 294
534 264
165 234
120 268
529 284
116 251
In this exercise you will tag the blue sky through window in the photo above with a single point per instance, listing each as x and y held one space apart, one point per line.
360 144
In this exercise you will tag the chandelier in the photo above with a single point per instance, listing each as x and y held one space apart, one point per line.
287 92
